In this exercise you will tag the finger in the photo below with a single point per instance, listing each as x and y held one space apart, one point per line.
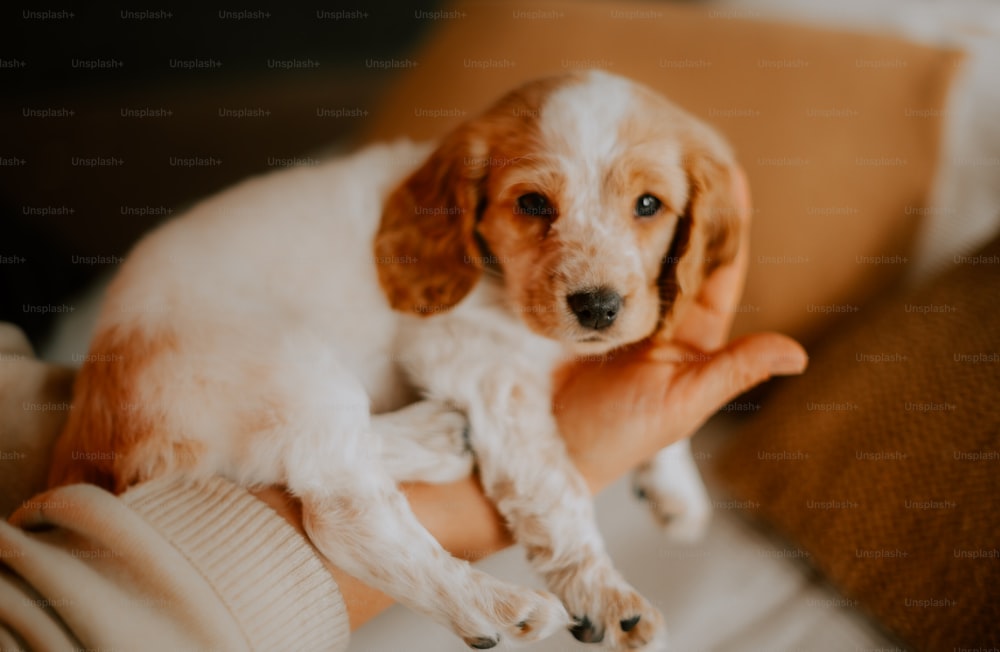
745 363
706 324
709 320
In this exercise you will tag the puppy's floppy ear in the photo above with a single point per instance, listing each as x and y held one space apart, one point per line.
707 234
426 252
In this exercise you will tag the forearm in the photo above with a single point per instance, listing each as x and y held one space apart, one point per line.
80 567
459 516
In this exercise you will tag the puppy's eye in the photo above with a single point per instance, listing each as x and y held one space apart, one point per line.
535 204
647 206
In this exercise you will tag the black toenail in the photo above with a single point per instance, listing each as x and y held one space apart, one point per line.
629 623
522 624
482 643
467 439
585 632
640 493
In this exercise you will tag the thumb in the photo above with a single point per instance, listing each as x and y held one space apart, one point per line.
746 362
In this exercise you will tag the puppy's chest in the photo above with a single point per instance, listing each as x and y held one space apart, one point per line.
477 348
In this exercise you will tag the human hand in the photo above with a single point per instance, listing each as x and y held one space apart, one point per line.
616 413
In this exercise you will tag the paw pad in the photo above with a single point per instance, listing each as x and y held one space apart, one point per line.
585 631
629 623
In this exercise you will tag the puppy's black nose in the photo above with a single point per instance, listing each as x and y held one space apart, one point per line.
595 309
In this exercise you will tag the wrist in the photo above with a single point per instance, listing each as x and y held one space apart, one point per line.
460 517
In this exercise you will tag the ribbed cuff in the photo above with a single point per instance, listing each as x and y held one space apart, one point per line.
267 575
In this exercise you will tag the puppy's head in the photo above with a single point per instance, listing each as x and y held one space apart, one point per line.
601 204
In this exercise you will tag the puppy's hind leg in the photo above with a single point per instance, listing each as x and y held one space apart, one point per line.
671 485
361 522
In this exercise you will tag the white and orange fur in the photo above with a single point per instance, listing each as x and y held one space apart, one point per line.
340 328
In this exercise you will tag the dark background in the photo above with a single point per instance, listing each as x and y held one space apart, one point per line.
281 64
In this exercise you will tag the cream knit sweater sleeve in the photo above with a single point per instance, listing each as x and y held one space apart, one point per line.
169 565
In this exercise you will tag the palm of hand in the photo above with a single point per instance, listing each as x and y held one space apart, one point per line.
618 412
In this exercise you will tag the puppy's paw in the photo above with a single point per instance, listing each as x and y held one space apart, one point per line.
497 612
678 501
441 433
427 441
606 609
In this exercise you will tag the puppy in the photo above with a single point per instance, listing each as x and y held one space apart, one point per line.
334 328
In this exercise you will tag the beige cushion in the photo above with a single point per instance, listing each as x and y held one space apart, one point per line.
838 132
882 462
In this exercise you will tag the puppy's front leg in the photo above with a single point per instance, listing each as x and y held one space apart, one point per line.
524 466
526 471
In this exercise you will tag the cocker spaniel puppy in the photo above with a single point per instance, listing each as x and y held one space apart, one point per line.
340 328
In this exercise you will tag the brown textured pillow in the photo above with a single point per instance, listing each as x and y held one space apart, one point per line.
883 460
838 131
